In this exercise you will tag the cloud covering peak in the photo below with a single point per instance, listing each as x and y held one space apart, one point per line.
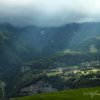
47 13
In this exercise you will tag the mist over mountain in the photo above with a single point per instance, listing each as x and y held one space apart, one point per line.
48 13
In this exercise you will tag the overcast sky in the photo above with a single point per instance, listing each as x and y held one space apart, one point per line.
49 12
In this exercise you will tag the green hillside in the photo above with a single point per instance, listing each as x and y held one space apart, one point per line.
78 94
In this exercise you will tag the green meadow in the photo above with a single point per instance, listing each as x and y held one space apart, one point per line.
75 94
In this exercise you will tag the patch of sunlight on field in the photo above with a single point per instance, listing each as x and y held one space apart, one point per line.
97 37
93 49
54 73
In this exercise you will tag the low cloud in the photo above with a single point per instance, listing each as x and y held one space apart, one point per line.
48 13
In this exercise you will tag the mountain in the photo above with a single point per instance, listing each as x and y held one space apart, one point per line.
74 43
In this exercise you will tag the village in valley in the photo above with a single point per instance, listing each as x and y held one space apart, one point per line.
63 70
87 71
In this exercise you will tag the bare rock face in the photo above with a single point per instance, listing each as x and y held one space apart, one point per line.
2 90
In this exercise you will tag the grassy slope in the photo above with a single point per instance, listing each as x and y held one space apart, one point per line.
77 94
